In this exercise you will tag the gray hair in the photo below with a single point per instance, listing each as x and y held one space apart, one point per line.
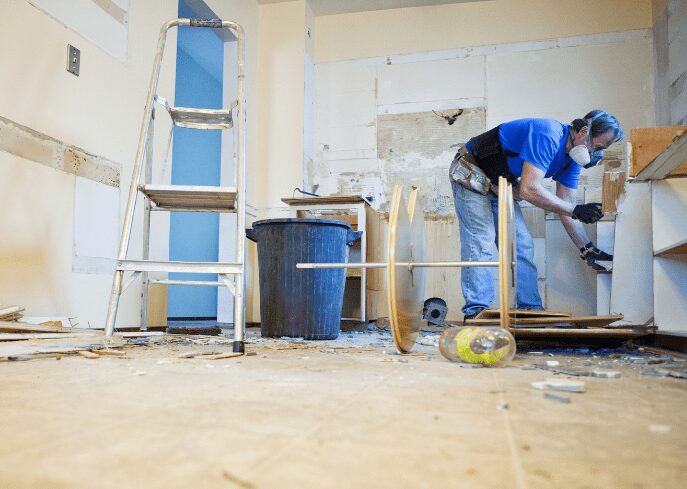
601 123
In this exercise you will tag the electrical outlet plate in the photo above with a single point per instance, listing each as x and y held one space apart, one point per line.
73 60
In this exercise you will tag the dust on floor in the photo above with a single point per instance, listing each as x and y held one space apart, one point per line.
344 413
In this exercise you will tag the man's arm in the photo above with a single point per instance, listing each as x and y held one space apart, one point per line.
532 190
576 231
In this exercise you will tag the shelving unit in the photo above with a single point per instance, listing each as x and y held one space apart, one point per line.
669 233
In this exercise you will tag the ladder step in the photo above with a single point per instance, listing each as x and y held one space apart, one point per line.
196 118
191 198
197 283
180 266
217 119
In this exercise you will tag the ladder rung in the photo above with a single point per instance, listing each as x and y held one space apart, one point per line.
179 266
191 198
197 118
201 118
196 283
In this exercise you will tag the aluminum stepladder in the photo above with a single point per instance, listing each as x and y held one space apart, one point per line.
185 198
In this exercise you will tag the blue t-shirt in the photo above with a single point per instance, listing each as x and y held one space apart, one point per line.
542 143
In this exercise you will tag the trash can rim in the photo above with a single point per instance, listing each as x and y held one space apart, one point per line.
299 220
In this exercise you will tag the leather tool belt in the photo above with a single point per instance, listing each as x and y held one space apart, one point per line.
464 170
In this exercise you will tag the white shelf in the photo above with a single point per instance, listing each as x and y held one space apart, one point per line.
669 216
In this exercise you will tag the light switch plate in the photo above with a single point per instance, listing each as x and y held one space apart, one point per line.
73 60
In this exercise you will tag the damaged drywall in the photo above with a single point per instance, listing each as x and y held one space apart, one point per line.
32 145
417 149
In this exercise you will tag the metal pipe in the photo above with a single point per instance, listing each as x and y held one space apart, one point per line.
240 183
431 264
148 178
503 242
198 283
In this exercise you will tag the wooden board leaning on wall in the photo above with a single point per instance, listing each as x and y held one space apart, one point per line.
647 144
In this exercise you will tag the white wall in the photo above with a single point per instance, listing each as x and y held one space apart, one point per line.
99 111
279 162
670 48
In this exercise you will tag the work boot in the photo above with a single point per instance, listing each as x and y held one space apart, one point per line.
473 315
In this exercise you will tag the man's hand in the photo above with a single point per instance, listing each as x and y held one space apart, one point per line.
591 254
588 213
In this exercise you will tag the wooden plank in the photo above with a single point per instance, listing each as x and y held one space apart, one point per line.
323 200
58 346
157 306
649 142
613 185
586 321
670 162
521 313
377 235
551 333
677 249
37 336
7 312
26 143
132 329
349 218
16 327
442 244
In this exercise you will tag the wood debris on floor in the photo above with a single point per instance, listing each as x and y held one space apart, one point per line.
11 313
562 326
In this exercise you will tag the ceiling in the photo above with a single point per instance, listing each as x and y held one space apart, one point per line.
331 7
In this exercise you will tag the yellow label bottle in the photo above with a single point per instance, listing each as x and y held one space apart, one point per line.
492 346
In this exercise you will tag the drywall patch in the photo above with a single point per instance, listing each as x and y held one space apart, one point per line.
417 149
32 145
425 133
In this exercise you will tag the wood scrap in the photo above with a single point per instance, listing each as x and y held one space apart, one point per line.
577 333
222 356
521 313
326 199
649 142
109 352
135 329
194 354
17 327
140 334
613 185
11 313
37 336
26 350
210 355
562 322
88 354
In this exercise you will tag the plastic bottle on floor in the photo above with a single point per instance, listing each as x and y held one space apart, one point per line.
492 346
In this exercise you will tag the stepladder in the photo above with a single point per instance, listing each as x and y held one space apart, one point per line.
186 198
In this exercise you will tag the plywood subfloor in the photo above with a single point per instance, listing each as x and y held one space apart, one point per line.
331 414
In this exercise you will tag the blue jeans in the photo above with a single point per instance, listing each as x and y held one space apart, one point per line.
478 220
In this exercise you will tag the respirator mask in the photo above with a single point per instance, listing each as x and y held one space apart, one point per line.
581 155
